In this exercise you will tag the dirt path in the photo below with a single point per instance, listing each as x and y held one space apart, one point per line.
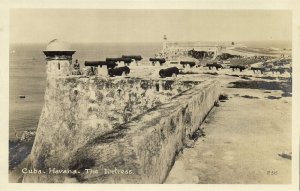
244 136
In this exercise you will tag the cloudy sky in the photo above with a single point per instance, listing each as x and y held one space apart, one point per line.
74 25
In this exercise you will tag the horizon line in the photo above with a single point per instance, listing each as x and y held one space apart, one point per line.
235 41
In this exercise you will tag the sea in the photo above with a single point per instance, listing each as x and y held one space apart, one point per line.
27 74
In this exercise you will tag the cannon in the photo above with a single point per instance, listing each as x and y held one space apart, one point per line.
262 70
235 67
160 60
214 65
109 64
94 63
133 57
126 61
168 72
191 63
280 70
136 58
118 71
114 59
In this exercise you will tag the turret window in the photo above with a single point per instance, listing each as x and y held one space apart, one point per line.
58 66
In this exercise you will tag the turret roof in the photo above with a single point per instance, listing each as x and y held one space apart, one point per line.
58 45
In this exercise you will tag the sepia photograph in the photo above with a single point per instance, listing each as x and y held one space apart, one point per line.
150 96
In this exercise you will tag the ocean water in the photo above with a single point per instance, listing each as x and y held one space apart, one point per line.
28 77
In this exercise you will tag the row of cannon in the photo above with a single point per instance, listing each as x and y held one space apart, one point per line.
262 70
112 63
113 70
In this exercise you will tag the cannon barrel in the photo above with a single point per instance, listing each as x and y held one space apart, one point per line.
214 65
133 57
168 72
126 60
109 64
257 68
113 59
191 63
160 60
238 66
187 62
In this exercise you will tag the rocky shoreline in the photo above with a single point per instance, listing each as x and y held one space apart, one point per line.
20 149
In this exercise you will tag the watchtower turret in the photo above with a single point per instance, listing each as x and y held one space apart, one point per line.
59 58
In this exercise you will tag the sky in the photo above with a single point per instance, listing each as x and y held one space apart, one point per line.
91 25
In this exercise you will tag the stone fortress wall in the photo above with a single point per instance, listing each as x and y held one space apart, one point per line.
134 124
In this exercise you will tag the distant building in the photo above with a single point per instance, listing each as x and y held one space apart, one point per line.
59 58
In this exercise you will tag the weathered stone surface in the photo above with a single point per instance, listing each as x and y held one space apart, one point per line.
78 110
146 146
